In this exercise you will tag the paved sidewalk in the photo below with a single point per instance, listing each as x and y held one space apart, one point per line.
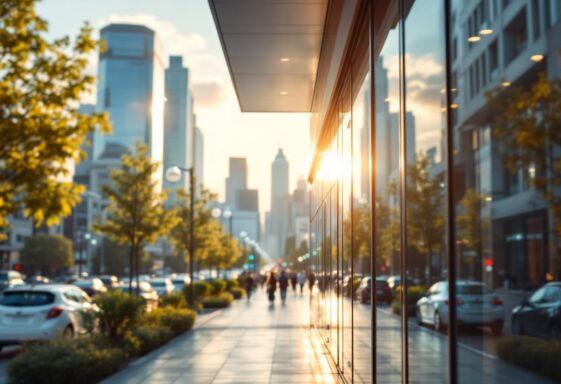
251 342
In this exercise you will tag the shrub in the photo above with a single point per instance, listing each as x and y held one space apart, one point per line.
231 284
238 293
178 320
65 360
151 337
414 293
540 356
218 286
118 314
201 289
220 301
174 299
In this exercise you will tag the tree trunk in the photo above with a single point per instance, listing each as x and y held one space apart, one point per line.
131 267
137 270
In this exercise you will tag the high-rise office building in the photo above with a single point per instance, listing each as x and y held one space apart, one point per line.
179 131
131 89
236 180
279 218
198 156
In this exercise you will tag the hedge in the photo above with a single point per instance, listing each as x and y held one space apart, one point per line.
231 284
85 360
414 293
201 289
540 356
151 337
178 320
174 299
238 293
218 286
220 301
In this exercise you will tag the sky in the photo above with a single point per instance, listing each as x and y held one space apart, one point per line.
186 27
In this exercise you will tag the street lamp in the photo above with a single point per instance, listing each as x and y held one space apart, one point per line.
228 215
173 174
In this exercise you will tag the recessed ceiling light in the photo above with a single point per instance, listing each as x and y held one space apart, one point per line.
536 58
285 59
486 31
454 105
283 93
506 84
474 39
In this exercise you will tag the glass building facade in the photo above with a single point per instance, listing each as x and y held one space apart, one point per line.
130 88
435 189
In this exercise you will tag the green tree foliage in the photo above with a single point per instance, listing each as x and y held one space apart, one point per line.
47 254
472 226
40 128
527 120
135 214
207 229
425 214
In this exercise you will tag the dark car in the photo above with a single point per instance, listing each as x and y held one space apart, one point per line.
37 279
91 286
539 315
110 281
349 282
383 291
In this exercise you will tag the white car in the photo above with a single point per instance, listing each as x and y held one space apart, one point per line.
477 305
180 281
162 285
42 312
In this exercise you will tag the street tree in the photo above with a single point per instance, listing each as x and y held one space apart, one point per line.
47 254
425 215
41 130
135 214
526 121
206 229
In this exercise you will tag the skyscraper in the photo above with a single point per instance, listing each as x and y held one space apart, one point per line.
279 219
199 154
236 180
179 132
131 88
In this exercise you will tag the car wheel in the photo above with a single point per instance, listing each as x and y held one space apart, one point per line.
438 326
497 328
516 327
419 317
68 331
554 332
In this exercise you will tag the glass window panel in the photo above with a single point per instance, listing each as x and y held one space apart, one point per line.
387 252
505 203
424 187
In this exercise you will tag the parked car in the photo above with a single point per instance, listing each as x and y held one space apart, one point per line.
539 315
383 292
145 291
38 312
395 281
477 305
10 279
37 279
350 282
162 285
109 281
180 281
91 286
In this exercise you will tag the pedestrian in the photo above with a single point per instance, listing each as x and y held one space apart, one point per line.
302 281
293 281
271 287
283 284
249 282
311 280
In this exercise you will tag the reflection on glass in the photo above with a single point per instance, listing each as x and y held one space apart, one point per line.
507 166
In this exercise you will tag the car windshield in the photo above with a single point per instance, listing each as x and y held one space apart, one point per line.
3 276
472 289
158 283
84 283
26 299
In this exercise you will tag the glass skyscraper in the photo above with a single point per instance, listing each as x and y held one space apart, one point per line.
131 88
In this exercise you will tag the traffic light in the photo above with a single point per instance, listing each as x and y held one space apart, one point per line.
251 257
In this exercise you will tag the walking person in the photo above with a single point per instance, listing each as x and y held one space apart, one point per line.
311 280
249 282
293 281
271 287
301 281
283 284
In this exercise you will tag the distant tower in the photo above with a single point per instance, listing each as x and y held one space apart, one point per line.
236 181
131 88
179 132
279 204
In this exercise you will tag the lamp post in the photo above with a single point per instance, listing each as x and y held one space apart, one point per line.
84 238
227 214
173 174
